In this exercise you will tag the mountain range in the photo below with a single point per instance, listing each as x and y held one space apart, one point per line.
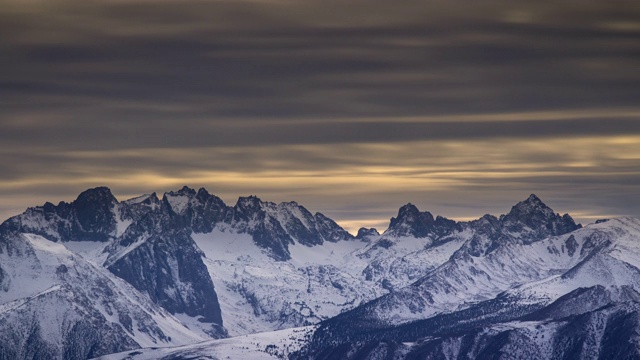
186 276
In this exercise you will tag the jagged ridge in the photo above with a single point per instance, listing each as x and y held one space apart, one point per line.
418 260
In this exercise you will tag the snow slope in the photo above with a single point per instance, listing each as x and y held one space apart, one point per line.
317 281
528 300
52 296
266 345
259 294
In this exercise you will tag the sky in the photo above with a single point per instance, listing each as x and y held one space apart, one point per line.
351 108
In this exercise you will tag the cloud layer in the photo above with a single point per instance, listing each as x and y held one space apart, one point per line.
351 108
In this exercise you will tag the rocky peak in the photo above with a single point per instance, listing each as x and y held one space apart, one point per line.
196 209
364 233
411 222
94 210
533 199
486 224
184 191
297 222
330 230
532 220
528 221
407 213
289 204
204 196
207 210
443 226
487 236
247 209
98 195
292 208
249 204
146 199
178 201
529 206
136 208
92 216
152 199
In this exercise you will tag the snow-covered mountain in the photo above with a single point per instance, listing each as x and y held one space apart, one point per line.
170 250
186 267
55 304
573 295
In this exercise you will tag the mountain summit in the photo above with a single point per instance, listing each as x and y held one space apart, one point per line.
412 222
532 219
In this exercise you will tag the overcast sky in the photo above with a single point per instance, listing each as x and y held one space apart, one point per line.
351 108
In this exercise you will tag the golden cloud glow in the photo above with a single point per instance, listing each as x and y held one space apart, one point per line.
432 171
576 114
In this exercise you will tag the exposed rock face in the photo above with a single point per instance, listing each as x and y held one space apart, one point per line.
364 233
411 222
90 217
329 230
528 221
199 210
532 220
275 227
155 253
57 305
169 268
94 210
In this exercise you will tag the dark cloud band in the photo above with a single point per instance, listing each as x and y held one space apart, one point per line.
382 100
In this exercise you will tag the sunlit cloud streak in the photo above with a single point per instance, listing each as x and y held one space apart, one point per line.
487 176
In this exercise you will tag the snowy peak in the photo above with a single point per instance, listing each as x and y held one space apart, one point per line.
134 209
207 210
410 222
298 222
248 204
409 211
330 230
251 216
179 201
96 215
57 305
91 217
532 220
274 227
367 233
198 210
185 190
533 199
142 199
528 221
530 206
